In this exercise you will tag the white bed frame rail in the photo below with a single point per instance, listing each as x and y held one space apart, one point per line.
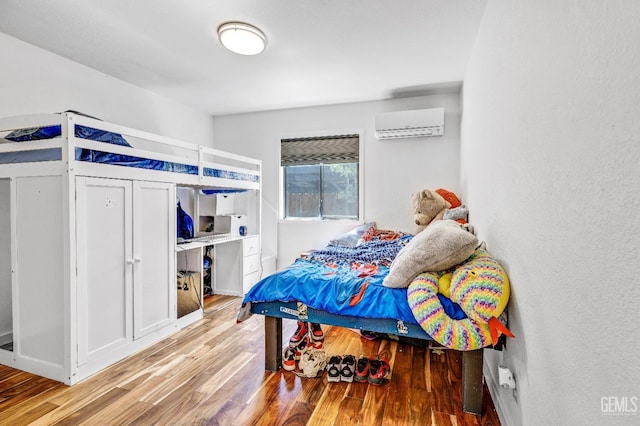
235 171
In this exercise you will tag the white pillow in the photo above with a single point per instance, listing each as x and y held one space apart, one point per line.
442 245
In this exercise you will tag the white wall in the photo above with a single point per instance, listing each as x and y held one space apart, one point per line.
392 169
549 159
33 80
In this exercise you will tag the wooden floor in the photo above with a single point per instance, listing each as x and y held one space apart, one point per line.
212 373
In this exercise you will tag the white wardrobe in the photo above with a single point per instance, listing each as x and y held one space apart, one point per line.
119 302
125 279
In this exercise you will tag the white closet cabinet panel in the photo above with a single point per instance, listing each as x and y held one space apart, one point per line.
39 274
105 265
6 308
126 272
154 221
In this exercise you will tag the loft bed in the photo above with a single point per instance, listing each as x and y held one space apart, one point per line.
342 285
94 203
69 141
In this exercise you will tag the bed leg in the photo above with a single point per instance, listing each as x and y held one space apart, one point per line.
472 382
272 343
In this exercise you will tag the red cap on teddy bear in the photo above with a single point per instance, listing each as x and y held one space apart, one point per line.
450 197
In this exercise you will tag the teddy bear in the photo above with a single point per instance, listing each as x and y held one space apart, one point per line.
427 206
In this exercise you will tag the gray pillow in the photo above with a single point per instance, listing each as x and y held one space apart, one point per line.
352 238
442 245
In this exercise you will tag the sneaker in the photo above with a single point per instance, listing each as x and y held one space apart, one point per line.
289 359
333 369
302 345
347 368
362 369
369 335
378 370
312 363
316 345
316 332
300 334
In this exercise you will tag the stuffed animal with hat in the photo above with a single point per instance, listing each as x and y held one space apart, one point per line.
427 206
456 211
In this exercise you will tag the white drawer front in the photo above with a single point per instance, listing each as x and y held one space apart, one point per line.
249 280
251 264
251 245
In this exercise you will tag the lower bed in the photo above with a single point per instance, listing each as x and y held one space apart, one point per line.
342 286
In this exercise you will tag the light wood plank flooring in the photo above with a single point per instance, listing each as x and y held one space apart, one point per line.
212 373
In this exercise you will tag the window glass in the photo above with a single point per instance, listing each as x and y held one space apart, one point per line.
321 177
302 191
340 190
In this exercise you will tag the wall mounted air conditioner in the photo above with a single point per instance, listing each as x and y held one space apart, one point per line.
410 124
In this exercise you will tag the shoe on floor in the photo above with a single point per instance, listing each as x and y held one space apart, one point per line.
316 332
362 369
298 348
378 370
316 345
289 359
348 368
301 333
333 368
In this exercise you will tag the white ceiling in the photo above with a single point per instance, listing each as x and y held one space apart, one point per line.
318 51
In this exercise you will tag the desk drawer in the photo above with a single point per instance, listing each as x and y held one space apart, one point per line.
251 245
249 280
251 264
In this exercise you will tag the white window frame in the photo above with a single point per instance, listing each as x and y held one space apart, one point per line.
322 133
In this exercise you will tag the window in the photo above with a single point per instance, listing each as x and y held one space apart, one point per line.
321 177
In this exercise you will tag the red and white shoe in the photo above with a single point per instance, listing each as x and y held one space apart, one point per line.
300 334
362 369
316 332
378 371
289 359
302 345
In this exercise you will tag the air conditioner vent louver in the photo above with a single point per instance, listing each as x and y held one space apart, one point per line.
410 124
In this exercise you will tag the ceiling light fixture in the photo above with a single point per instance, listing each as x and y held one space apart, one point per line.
241 38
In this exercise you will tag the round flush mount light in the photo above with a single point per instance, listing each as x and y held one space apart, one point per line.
241 38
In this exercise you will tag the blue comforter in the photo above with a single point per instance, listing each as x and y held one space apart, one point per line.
341 280
345 281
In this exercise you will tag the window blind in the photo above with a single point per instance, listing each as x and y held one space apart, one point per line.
315 150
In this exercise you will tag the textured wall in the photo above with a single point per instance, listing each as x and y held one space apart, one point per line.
549 157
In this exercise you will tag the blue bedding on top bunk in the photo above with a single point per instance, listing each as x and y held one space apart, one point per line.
49 132
83 154
32 156
228 174
96 156
35 133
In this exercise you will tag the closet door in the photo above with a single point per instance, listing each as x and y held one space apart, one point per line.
154 239
105 264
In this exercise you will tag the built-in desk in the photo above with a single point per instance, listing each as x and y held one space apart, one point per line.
235 268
